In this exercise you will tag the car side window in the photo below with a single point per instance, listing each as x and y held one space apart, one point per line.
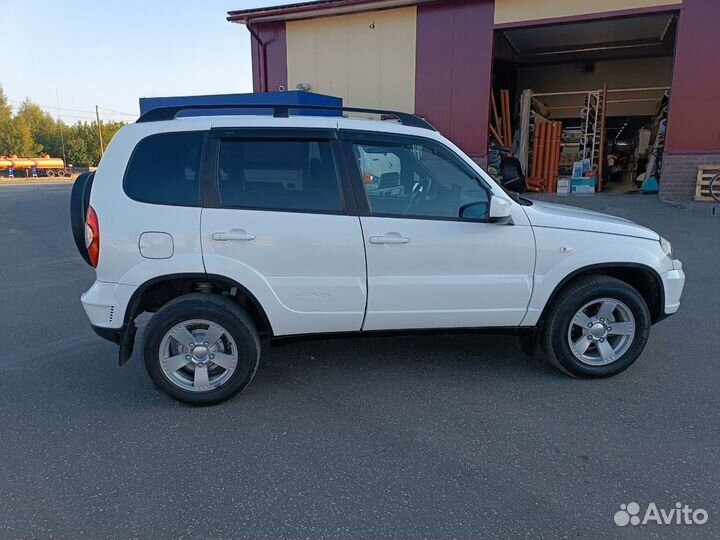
412 177
281 175
165 169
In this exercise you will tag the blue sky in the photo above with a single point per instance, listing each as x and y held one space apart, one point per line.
111 52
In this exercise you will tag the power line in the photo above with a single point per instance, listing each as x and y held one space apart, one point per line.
90 118
105 111
63 115
49 107
117 112
84 115
109 111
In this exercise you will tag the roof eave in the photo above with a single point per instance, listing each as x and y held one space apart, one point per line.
309 10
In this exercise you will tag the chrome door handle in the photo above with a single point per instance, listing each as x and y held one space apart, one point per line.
389 239
233 234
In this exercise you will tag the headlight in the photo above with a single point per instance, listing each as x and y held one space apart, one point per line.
666 247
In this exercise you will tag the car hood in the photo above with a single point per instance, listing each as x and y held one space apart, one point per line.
560 216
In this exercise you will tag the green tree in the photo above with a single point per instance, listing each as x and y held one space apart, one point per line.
109 129
33 131
44 128
89 134
7 131
78 153
5 109
16 138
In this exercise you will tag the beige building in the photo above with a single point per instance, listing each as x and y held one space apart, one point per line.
446 60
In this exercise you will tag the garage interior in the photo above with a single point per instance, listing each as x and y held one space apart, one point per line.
583 105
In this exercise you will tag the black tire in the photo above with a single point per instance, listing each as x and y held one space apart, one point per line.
79 203
557 325
214 308
61 172
50 173
715 188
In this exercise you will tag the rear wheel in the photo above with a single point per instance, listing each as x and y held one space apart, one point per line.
598 328
49 173
201 348
61 172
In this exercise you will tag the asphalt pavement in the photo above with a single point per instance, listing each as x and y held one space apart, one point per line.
416 437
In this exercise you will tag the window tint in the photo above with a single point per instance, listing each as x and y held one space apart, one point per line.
165 169
279 175
415 178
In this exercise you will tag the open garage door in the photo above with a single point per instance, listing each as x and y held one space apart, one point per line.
583 105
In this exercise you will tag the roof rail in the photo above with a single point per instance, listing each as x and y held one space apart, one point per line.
281 111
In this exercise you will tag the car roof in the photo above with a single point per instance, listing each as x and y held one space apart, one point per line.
128 137
188 123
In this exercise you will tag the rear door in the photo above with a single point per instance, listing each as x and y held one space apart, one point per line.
279 223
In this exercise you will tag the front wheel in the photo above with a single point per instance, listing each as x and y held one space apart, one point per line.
201 348
597 328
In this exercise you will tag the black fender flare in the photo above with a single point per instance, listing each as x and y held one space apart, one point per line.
127 333
603 266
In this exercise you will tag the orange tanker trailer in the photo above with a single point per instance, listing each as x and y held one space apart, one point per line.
43 165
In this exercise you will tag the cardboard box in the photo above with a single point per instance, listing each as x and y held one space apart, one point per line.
577 170
563 186
582 185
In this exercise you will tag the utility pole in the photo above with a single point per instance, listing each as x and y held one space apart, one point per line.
62 139
97 115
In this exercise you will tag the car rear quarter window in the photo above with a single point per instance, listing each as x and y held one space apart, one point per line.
165 169
281 175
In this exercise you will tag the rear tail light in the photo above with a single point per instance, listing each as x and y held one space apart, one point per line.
92 236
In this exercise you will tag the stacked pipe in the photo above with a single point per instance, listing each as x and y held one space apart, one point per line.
546 157
536 182
501 130
554 165
506 117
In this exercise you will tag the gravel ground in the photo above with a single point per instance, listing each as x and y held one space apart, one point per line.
442 437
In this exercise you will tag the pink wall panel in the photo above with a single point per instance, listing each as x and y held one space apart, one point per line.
694 114
454 69
273 34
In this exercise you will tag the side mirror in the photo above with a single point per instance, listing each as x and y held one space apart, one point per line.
500 211
474 211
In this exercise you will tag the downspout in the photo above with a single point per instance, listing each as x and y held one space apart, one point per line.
263 56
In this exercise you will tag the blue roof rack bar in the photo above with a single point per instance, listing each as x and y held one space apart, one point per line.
282 111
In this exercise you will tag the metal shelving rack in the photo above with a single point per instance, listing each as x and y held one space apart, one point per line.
590 128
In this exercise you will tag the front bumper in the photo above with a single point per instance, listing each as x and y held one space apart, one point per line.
673 283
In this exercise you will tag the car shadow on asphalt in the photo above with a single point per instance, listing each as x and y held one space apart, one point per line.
348 363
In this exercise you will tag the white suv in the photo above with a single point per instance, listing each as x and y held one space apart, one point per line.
235 228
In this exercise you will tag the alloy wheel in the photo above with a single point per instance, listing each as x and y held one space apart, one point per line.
601 331
198 355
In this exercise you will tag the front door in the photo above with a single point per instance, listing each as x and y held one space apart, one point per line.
426 267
